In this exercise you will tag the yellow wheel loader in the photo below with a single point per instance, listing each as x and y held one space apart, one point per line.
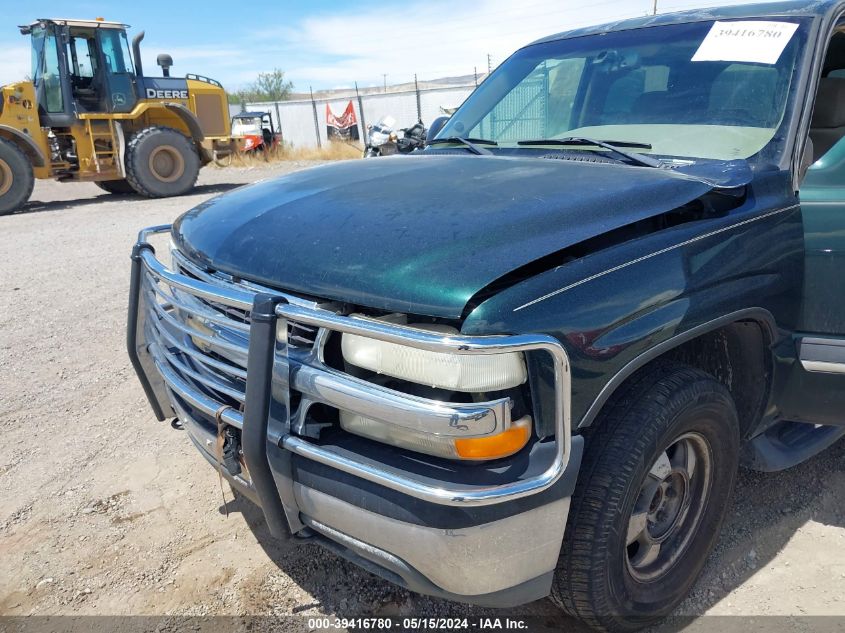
90 114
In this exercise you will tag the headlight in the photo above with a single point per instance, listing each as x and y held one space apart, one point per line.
475 448
454 372
377 138
474 373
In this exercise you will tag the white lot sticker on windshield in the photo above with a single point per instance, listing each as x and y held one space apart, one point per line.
748 41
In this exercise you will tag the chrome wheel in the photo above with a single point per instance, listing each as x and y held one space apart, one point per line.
669 507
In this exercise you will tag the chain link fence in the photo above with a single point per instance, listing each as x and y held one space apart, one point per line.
303 122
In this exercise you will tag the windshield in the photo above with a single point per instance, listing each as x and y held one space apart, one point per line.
385 124
695 90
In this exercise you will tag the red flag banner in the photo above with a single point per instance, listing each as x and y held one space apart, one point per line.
343 127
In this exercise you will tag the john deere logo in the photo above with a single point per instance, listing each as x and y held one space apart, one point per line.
118 99
152 93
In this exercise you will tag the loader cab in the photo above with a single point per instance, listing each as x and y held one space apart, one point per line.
80 66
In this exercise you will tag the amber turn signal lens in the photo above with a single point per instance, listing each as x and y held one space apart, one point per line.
495 446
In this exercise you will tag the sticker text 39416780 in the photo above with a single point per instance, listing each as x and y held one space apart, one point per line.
746 41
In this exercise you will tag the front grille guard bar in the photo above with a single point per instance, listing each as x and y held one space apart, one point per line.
266 312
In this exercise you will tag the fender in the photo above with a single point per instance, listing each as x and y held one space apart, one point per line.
185 115
633 301
760 315
188 118
27 145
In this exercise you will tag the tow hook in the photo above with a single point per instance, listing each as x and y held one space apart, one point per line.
229 453
232 451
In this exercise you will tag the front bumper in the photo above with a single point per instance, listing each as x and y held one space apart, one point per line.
492 538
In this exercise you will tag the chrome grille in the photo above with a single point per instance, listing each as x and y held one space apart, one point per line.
200 343
302 336
299 335
197 347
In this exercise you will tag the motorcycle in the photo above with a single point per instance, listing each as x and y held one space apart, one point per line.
413 138
383 140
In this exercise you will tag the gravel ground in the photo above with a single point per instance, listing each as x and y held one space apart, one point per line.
107 511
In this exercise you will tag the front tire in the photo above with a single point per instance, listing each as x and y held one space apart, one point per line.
161 162
655 485
16 178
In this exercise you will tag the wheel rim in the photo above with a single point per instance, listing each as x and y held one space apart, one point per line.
669 507
6 177
166 163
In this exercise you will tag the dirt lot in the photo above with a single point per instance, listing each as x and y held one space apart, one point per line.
106 511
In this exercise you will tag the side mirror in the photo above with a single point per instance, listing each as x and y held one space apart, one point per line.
434 128
165 61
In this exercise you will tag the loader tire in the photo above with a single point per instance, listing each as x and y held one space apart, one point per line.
121 186
161 162
16 179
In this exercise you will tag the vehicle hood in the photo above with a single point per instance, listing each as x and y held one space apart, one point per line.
419 234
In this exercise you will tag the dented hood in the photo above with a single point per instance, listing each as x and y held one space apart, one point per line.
420 234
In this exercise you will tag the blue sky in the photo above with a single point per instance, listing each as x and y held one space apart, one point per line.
327 43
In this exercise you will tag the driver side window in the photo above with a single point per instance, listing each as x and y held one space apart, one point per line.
828 123
827 127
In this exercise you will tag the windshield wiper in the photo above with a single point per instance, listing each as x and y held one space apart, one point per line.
472 144
613 146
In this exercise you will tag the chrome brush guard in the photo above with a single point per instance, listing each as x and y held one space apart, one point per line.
222 348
